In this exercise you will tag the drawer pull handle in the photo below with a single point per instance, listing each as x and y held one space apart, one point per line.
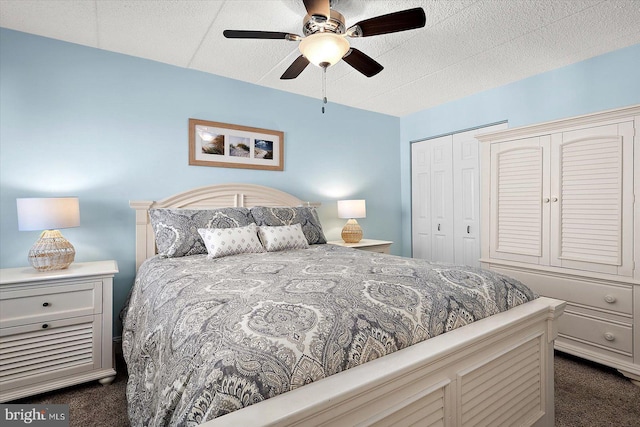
610 299
45 304
45 326
609 336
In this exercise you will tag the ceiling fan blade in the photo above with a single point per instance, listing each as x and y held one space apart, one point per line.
244 34
318 8
295 68
403 20
362 62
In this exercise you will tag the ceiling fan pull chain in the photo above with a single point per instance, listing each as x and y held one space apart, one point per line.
324 87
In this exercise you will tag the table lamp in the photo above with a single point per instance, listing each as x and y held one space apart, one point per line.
52 251
352 209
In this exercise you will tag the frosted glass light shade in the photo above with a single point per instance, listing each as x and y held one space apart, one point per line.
322 48
352 209
52 251
48 213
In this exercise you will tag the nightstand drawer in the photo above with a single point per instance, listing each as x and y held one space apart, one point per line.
369 245
381 249
32 353
34 304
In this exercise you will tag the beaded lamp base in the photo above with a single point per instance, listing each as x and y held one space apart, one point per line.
51 252
351 232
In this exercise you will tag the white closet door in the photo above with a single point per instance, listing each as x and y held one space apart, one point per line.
520 204
421 199
592 199
445 192
466 189
466 195
432 204
442 199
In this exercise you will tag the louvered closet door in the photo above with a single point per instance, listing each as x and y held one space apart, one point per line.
519 207
592 199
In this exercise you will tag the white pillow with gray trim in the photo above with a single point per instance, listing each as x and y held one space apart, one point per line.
222 242
280 238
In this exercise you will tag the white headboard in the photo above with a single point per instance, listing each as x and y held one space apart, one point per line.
209 197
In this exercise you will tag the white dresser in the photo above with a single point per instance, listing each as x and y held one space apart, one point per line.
560 212
55 328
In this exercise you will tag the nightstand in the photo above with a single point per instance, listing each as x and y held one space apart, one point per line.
379 246
55 328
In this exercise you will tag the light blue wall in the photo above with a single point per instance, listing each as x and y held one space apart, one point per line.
111 128
601 83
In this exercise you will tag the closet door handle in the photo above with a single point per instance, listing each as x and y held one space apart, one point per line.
555 199
468 229
546 200
438 227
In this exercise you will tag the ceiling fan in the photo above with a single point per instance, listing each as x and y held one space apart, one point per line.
325 37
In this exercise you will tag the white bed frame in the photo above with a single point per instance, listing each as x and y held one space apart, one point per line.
496 371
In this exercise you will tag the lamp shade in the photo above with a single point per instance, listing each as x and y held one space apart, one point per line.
324 48
48 213
352 209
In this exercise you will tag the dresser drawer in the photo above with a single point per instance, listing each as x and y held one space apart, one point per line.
34 304
612 336
600 295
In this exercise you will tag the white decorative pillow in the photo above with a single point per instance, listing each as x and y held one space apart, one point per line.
230 241
280 238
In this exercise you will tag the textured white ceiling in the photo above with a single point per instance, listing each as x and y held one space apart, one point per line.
466 46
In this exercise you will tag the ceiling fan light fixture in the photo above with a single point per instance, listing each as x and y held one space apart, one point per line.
324 48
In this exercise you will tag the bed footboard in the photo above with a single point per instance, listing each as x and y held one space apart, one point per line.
496 371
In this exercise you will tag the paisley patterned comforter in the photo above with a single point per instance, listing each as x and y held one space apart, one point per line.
204 337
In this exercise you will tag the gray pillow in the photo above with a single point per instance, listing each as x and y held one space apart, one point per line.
176 230
307 217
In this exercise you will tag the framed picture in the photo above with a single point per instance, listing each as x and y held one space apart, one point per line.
234 146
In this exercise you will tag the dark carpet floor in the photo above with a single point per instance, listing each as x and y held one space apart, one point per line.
592 395
587 395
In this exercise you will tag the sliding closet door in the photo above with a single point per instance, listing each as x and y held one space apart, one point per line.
432 199
441 200
445 192
421 199
466 194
